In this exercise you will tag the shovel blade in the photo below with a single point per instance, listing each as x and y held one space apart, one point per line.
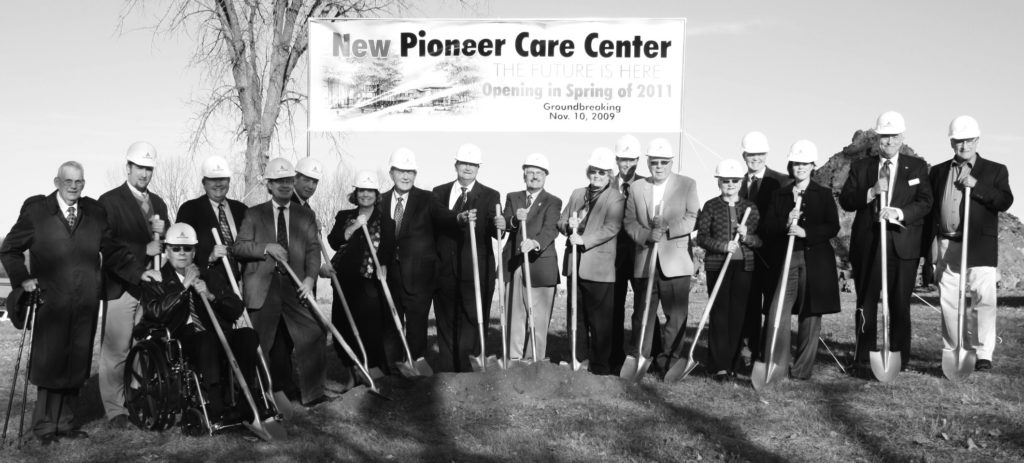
269 430
477 363
958 363
423 367
643 363
680 370
582 366
407 370
628 370
885 365
764 375
284 405
493 362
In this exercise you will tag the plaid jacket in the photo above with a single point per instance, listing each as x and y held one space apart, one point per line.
715 230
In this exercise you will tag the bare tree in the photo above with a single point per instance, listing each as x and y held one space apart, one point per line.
251 49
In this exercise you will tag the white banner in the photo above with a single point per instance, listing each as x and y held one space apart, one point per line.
496 75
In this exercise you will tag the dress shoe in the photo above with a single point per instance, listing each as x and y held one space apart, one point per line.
47 439
73 434
983 365
119 422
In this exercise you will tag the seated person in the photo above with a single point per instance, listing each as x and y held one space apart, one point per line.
174 303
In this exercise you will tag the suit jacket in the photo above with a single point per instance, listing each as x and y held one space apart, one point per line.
910 193
350 256
990 196
625 248
260 229
770 183
132 229
820 221
166 303
453 242
66 262
200 215
541 223
679 210
415 246
600 237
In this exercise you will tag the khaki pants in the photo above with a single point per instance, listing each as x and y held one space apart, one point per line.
980 318
543 302
118 323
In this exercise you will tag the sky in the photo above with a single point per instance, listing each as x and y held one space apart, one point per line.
75 86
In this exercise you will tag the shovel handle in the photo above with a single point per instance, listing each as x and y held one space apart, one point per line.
962 299
344 303
387 295
529 295
573 301
476 293
501 294
885 273
231 360
781 292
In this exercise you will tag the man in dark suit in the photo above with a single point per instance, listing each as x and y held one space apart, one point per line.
455 301
418 216
758 187
662 209
540 210
903 180
990 195
308 173
627 155
65 234
214 210
137 218
290 335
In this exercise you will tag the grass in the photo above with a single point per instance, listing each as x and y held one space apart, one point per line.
546 413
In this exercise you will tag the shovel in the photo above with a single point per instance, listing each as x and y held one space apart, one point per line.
681 370
501 299
280 402
315 308
528 289
480 362
885 364
348 312
409 368
268 429
767 372
634 368
958 362
574 296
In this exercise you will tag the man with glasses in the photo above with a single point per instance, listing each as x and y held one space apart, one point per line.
137 218
662 209
892 187
213 210
65 234
290 335
627 155
454 300
990 195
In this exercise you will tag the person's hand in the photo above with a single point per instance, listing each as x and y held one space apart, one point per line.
154 248
467 216
152 275
657 234
202 289
156 225
219 250
967 182
890 214
521 214
574 221
529 245
306 288
882 185
733 246
742 230
30 284
576 239
499 222
361 220
798 231
276 251
191 275
794 215
657 221
326 270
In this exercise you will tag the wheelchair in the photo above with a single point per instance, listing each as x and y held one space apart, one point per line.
163 390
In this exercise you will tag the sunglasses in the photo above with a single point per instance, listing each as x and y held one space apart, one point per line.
603 173
660 162
730 180
181 248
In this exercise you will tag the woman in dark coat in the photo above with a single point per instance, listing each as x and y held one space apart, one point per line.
717 226
812 289
358 276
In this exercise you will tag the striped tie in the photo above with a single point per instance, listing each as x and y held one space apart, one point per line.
225 228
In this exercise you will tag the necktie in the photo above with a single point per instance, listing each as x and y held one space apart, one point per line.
193 316
625 190
529 200
282 228
145 204
461 202
755 184
883 175
399 212
225 228
71 217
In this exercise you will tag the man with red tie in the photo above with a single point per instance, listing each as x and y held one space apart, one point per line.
902 180
214 210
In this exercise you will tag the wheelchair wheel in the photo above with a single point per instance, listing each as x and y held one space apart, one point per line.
148 387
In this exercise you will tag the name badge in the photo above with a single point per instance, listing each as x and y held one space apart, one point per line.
914 181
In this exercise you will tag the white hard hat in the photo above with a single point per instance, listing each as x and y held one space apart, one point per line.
470 154
602 158
310 168
730 168
216 167
755 143
367 180
660 148
142 154
627 146
537 160
403 159
803 151
278 168
964 128
890 123
181 233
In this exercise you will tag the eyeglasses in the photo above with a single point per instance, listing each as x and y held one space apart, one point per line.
730 180
660 162
70 183
601 172
181 248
